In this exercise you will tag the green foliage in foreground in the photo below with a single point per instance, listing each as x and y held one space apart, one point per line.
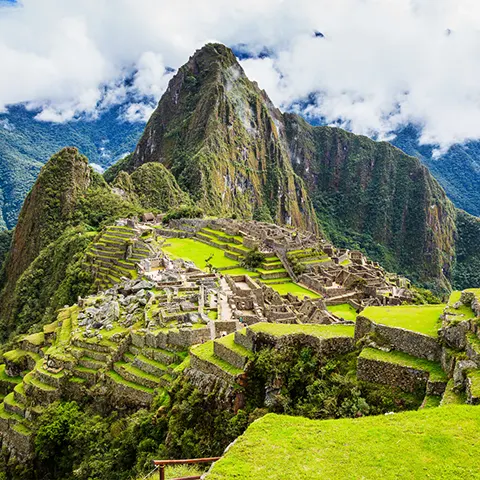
419 318
440 443
307 385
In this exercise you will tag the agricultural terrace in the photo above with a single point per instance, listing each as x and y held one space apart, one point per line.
198 252
439 443
344 310
418 318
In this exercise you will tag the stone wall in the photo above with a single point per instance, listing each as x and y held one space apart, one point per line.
211 369
326 347
406 378
413 343
230 356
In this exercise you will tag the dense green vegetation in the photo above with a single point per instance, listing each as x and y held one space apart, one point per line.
54 279
5 241
438 443
154 188
467 270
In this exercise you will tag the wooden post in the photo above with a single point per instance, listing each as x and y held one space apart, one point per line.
162 472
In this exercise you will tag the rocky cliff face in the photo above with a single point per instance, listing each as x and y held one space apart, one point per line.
221 137
370 188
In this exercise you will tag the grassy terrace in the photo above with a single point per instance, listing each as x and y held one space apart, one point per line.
418 318
5 378
229 342
320 331
451 397
344 310
436 443
400 358
464 311
205 353
119 379
197 252
294 289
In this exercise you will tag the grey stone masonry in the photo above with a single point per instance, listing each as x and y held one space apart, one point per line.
407 378
414 343
230 356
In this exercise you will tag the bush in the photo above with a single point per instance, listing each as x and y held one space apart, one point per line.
253 259
183 212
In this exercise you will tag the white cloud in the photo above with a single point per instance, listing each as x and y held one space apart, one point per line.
138 112
382 63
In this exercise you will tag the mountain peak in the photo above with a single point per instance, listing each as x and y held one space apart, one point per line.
214 52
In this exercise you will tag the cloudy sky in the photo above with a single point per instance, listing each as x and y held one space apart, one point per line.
369 65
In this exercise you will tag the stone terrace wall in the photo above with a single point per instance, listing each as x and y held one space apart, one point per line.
327 347
413 343
406 378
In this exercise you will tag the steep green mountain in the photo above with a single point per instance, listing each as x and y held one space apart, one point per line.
220 136
374 194
234 152
467 271
153 187
26 144
67 202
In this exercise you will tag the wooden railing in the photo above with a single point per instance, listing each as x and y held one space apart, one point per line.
161 464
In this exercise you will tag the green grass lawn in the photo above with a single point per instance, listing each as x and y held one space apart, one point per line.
344 310
418 318
434 443
294 289
205 353
197 252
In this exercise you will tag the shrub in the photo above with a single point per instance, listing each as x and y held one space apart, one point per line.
183 212
253 259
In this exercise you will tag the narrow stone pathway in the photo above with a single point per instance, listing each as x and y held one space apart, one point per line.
225 310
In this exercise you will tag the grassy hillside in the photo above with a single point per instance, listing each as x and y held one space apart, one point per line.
440 443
